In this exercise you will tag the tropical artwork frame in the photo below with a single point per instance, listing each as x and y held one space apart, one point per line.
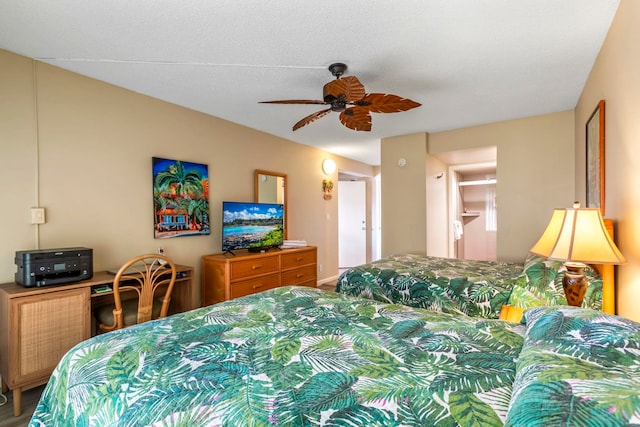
180 198
594 130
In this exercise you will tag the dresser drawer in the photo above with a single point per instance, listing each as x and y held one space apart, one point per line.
254 267
299 275
298 259
251 286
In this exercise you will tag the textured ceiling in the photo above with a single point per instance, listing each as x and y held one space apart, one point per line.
467 61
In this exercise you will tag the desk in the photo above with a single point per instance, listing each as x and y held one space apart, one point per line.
39 325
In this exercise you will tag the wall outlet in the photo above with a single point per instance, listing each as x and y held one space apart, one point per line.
160 251
320 268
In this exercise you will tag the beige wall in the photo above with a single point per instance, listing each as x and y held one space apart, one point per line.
535 173
437 208
615 78
403 194
82 149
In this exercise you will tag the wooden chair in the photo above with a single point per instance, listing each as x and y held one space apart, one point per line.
143 275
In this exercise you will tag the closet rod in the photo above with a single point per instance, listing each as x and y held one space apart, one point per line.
477 182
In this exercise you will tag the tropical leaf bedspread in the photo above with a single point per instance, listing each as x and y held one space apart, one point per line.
298 356
474 288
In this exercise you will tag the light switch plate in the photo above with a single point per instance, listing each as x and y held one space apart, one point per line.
37 216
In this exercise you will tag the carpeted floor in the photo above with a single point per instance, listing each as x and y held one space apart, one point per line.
327 287
29 401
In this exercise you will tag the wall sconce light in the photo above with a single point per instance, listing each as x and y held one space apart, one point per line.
328 166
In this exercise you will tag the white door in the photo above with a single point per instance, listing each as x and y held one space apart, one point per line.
352 223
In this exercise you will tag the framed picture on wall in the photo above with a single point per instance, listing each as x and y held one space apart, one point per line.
595 158
180 198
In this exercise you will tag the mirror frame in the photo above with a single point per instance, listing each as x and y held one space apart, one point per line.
256 193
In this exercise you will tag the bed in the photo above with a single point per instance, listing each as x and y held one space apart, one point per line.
458 286
476 288
299 356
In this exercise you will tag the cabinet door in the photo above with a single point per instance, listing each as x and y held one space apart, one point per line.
45 327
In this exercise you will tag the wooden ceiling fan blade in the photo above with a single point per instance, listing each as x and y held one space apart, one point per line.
356 118
311 118
294 101
386 103
346 88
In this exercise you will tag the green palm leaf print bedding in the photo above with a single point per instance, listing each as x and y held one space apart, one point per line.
297 356
577 367
292 356
474 288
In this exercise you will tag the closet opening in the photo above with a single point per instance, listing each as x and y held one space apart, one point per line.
471 213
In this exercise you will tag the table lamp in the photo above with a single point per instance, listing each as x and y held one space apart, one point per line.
577 236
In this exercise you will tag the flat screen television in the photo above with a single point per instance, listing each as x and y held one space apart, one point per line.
253 226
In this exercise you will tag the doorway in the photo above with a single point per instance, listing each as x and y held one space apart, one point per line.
352 223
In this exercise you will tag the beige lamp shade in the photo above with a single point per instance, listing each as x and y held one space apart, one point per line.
578 235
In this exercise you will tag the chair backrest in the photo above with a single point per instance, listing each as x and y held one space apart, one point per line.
144 274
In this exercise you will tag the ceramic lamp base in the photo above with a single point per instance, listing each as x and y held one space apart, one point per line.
574 283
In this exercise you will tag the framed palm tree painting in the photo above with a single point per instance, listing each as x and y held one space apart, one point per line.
180 198
595 158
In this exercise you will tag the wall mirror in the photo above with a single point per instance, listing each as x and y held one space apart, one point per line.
271 187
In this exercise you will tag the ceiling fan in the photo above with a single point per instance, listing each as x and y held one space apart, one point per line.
346 95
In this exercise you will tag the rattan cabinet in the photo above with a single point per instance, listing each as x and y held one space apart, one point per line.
36 330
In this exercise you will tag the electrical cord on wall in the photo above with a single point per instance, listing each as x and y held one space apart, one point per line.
3 398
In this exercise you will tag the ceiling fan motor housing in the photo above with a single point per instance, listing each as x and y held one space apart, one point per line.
337 69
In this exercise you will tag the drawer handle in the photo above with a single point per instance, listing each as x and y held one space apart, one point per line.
299 259
258 286
299 276
255 267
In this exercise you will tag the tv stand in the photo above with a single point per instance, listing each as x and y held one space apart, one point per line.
225 277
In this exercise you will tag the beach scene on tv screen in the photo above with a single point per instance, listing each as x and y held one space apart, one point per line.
252 225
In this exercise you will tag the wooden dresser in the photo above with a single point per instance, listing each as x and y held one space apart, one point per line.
225 276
